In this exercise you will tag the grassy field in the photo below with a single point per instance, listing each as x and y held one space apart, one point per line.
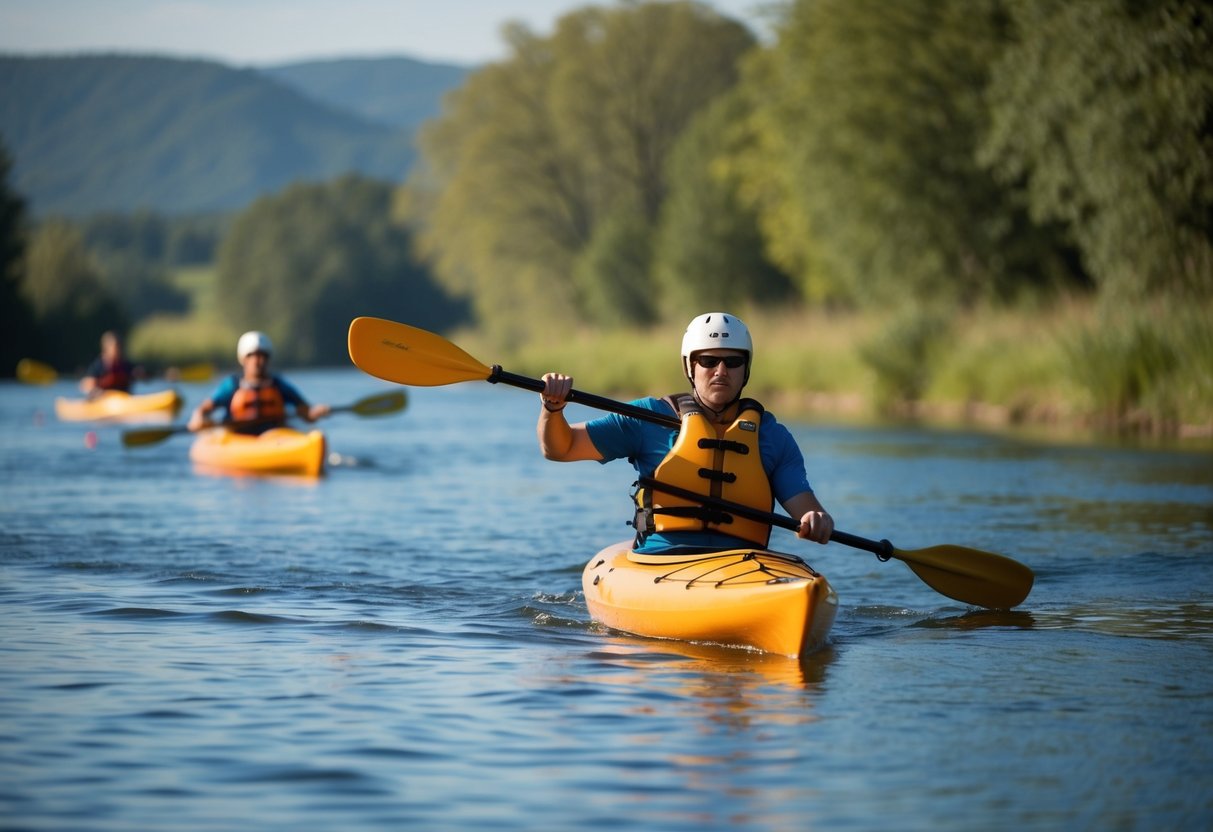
1071 364
200 335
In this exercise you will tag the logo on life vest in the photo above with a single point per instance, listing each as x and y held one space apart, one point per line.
746 424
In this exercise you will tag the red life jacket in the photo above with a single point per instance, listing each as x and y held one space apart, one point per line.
116 376
257 402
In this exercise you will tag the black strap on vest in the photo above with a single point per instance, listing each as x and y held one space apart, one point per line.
724 445
681 404
717 476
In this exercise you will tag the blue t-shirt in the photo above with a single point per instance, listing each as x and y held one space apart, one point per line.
645 444
222 397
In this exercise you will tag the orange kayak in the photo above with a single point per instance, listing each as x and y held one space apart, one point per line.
753 598
277 451
114 405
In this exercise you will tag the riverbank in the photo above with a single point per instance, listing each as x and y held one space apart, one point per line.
1070 368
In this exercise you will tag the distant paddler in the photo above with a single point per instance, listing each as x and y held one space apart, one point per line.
111 370
255 396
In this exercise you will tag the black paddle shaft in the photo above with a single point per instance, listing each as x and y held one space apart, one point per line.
587 399
882 549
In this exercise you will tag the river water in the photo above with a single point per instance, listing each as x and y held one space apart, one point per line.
403 644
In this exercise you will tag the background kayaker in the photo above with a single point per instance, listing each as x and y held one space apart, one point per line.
717 351
110 370
255 396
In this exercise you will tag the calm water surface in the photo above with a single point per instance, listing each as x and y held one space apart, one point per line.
403 643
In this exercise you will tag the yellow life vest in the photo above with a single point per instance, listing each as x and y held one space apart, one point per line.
725 465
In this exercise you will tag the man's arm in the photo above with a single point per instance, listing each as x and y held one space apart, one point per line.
816 524
558 440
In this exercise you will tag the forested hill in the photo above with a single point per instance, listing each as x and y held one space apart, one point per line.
393 91
121 133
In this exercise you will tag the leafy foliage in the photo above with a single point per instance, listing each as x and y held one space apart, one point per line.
874 112
538 159
16 316
710 249
65 290
301 264
1102 109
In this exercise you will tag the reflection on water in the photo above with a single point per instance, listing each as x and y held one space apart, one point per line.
981 619
710 671
1162 619
1168 620
1164 520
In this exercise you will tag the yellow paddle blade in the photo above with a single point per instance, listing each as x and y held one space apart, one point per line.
406 355
381 405
150 436
30 371
971 575
196 372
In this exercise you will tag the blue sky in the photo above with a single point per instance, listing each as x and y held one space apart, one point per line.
253 32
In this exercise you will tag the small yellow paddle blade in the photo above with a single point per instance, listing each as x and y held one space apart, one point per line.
971 575
30 371
381 405
406 355
149 436
196 372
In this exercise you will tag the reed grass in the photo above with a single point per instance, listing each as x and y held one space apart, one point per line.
1145 368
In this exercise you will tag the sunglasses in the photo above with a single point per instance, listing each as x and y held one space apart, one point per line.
709 362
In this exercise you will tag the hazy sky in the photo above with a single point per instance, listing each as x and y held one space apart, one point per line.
246 32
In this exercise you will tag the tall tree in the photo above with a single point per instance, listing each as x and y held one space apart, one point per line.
877 110
70 304
16 317
710 250
538 160
1103 110
302 264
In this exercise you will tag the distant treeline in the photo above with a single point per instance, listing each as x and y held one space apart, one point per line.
647 161
299 265
653 158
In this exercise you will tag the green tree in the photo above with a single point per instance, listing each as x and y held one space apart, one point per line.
710 250
16 316
533 155
877 109
612 272
1102 111
70 304
302 264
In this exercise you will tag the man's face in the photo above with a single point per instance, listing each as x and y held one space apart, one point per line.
720 384
256 365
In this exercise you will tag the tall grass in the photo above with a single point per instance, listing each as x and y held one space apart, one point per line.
1145 368
200 335
1068 363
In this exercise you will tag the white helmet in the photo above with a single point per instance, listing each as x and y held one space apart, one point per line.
251 342
716 331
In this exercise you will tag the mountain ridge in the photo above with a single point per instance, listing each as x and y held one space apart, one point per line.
110 132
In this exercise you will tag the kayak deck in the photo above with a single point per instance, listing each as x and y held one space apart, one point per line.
753 598
115 405
277 451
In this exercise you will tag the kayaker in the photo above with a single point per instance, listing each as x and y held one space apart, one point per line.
728 447
255 397
110 370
